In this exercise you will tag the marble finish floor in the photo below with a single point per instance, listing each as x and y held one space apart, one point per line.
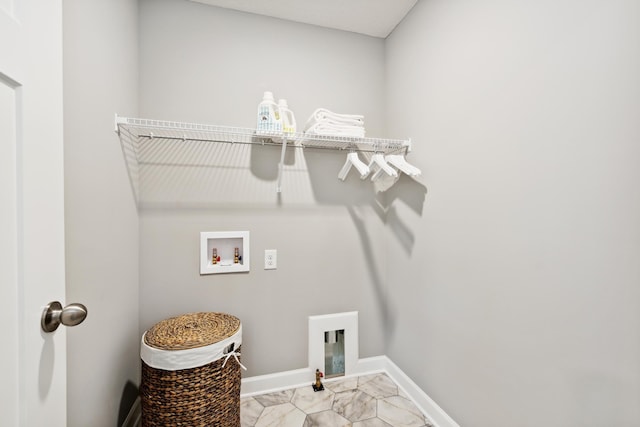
365 401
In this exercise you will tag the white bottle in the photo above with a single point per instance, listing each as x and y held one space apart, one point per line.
288 119
269 120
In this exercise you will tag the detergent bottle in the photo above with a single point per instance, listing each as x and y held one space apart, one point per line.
288 119
269 120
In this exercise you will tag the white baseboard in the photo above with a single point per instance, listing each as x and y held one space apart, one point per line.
427 405
371 365
275 382
301 377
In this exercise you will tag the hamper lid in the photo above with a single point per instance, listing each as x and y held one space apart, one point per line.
191 331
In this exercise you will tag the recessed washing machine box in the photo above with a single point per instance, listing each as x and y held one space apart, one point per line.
224 252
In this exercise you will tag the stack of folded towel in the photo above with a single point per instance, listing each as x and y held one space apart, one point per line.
325 122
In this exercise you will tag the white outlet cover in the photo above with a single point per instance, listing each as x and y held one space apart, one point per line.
270 259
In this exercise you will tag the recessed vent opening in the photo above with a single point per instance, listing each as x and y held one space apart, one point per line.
334 353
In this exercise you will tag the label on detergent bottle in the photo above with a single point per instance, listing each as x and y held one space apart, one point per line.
268 120
276 125
263 118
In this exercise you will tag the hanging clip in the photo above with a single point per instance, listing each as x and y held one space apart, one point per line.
380 166
353 161
401 163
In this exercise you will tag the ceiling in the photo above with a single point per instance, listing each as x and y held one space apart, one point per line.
375 18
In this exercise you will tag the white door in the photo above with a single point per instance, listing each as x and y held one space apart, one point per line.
33 384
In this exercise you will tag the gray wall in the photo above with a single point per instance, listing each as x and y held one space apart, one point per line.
100 79
518 303
512 285
211 65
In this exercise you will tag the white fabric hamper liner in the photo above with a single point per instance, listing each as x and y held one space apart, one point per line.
174 360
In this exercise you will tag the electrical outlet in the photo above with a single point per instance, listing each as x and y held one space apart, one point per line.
270 259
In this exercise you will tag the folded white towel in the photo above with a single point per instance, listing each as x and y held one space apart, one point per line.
325 122
333 122
322 115
329 129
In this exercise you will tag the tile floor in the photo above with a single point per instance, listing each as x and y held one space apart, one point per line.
365 401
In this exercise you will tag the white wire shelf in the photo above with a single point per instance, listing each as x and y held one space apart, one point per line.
151 142
159 129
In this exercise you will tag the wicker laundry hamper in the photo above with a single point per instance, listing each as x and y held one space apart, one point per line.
189 375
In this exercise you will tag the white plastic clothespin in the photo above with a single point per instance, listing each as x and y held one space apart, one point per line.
353 160
401 163
380 166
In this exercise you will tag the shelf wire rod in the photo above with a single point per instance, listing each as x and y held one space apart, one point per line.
267 142
281 165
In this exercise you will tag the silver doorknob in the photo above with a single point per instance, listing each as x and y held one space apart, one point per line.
53 315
